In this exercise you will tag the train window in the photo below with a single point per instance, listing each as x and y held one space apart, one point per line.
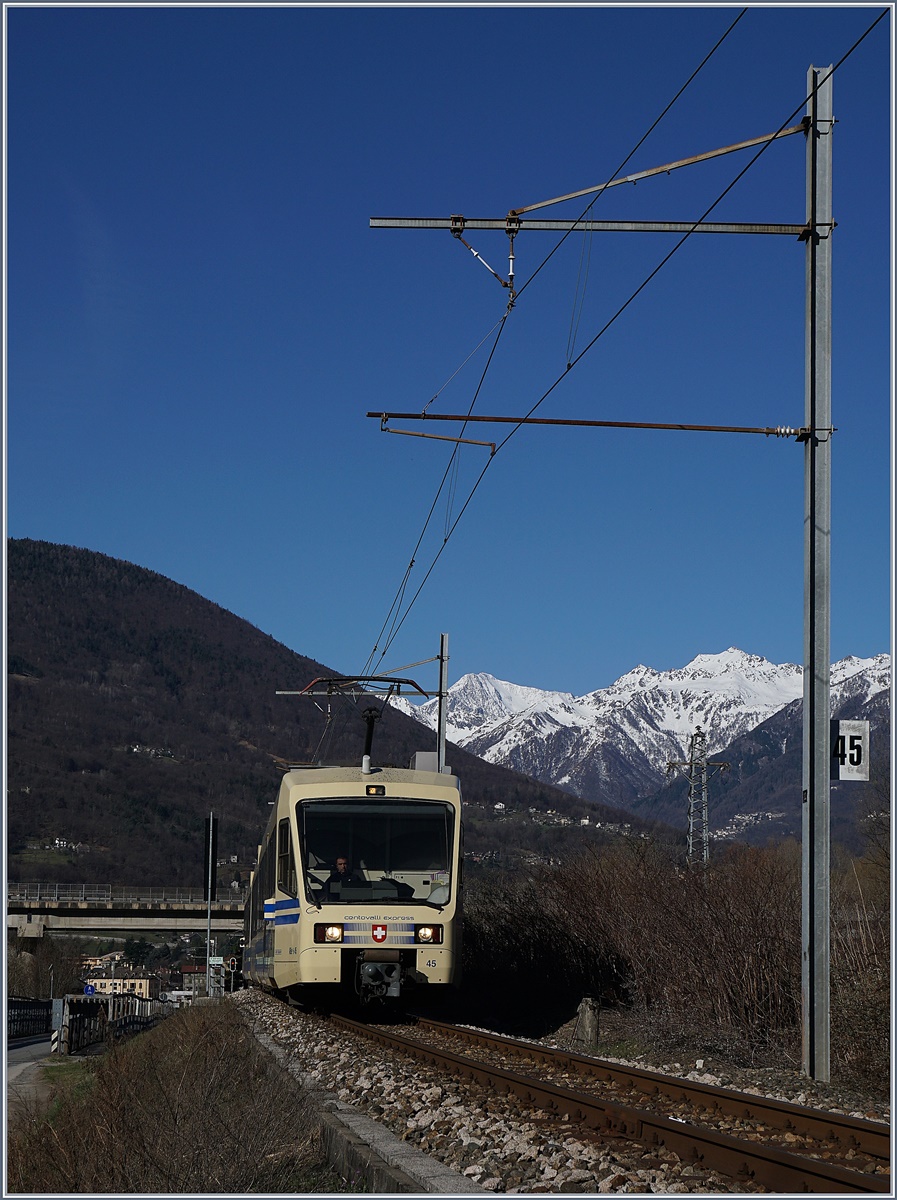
408 842
269 869
286 862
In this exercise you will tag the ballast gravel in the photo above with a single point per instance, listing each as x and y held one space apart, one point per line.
494 1141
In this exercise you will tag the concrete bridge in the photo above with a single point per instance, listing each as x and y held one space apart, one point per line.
33 909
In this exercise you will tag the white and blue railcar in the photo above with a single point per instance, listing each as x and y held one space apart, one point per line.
388 924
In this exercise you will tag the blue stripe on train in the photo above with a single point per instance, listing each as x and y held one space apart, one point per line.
282 912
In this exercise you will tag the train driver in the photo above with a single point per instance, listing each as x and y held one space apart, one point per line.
342 874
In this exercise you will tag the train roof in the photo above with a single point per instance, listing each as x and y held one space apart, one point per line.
327 775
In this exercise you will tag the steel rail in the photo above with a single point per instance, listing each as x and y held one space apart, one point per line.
851 1133
767 1165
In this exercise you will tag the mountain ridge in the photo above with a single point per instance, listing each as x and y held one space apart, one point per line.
612 745
135 707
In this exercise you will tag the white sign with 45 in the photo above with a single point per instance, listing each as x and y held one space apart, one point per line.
850 750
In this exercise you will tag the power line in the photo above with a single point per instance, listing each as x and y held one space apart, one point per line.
398 623
699 221
637 146
395 607
579 296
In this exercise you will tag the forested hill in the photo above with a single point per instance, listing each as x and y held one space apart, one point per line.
136 707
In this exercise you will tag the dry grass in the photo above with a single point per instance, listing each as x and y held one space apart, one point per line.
194 1105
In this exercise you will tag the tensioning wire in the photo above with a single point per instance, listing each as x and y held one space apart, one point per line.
687 235
579 294
601 190
395 607
462 365
397 624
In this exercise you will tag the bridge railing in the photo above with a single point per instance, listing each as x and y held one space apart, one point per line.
25 1018
105 893
90 1019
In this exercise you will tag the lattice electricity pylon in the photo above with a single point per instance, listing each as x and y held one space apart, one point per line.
696 771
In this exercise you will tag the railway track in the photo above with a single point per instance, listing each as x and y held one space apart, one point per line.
755 1141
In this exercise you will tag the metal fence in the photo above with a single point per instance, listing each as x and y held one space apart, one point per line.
90 1019
106 893
25 1018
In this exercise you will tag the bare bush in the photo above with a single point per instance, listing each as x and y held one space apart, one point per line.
35 965
860 974
193 1106
701 959
873 814
516 942
21 972
712 949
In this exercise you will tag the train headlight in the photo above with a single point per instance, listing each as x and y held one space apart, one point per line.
328 933
429 935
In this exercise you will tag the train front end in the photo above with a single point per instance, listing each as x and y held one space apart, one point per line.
359 885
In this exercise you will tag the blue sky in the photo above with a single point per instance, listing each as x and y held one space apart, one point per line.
199 318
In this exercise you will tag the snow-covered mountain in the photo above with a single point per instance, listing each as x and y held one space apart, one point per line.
479 702
613 745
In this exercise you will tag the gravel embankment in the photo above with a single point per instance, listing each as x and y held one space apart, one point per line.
494 1140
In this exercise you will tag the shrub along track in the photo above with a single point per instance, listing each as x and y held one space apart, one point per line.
780 1146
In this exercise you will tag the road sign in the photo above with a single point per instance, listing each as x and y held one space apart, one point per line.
89 989
216 962
850 750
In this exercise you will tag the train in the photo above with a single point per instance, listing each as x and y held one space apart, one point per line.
357 889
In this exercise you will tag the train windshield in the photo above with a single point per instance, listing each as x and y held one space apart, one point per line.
357 849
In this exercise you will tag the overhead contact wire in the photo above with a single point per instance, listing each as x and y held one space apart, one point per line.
396 627
397 601
600 191
687 235
623 307
395 607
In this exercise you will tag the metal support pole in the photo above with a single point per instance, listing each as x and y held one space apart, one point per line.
698 844
443 702
698 851
815 890
818 128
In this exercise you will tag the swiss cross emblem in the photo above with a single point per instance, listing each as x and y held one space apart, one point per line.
378 933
